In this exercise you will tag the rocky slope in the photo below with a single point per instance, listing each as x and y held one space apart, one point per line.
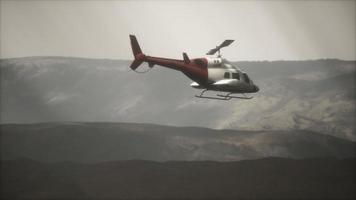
313 95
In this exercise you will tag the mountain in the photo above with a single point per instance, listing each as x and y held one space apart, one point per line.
268 178
97 142
316 95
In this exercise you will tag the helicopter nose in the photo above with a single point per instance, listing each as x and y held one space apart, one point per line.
256 88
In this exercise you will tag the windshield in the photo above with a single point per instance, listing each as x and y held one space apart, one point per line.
246 78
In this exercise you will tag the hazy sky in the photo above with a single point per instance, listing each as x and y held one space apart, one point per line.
263 30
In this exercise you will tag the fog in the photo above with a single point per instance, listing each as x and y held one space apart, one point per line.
263 30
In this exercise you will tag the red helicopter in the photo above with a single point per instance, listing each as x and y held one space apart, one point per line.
208 73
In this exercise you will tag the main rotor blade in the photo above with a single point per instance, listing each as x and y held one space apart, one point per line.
223 44
226 43
212 51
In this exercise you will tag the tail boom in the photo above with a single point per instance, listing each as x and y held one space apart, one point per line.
195 69
140 58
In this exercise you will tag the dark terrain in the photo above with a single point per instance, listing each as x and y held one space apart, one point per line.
268 178
105 160
97 142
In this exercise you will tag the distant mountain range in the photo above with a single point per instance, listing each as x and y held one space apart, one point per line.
97 142
269 178
317 95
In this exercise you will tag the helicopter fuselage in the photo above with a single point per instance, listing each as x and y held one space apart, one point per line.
209 73
224 76
216 74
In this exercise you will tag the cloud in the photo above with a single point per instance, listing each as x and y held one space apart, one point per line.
58 98
123 109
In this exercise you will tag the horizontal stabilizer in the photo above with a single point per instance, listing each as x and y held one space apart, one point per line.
196 85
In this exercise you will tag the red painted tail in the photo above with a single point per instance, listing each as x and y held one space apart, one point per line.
137 52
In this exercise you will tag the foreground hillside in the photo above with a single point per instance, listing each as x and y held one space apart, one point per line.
95 142
317 95
269 178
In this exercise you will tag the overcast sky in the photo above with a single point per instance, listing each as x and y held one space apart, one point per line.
263 30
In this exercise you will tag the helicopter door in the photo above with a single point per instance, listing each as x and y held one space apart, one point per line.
236 76
227 75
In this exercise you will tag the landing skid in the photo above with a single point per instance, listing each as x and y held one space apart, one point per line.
225 97
208 97
234 97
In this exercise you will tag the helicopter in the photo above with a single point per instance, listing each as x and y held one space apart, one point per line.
208 73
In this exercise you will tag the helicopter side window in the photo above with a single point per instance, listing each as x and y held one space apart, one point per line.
217 63
227 75
236 76
246 78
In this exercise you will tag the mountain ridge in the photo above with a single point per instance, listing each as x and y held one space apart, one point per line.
40 89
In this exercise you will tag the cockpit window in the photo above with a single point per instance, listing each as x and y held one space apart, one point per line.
236 76
227 75
246 78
